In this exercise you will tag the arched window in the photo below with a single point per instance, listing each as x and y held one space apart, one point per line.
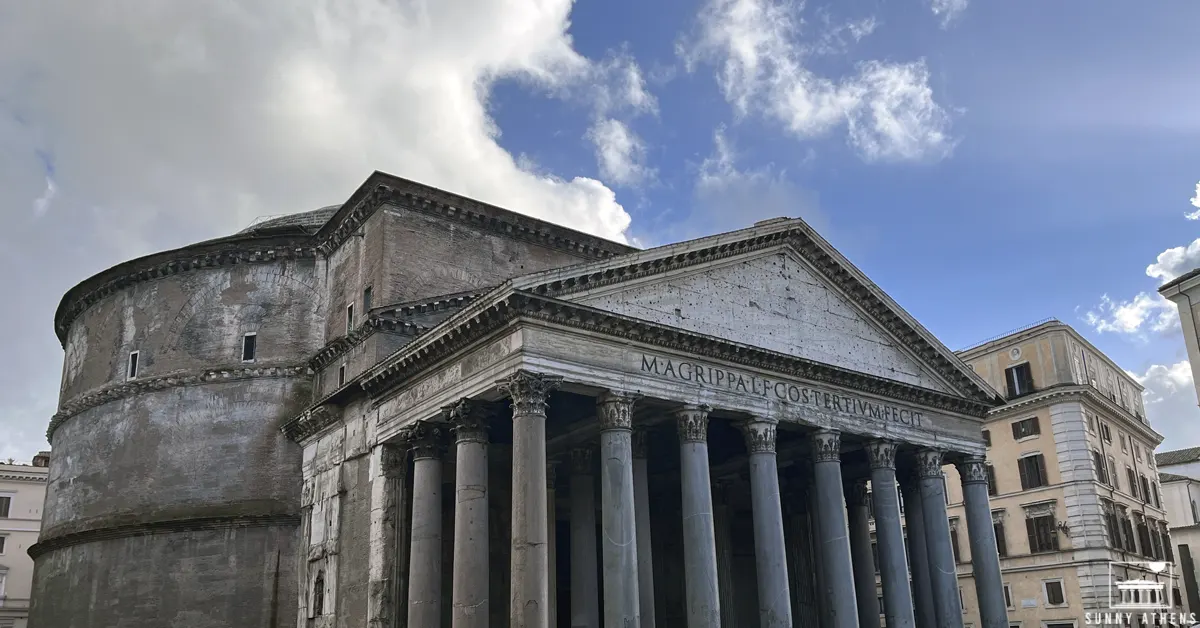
318 594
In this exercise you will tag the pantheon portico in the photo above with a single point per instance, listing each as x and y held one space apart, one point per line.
681 436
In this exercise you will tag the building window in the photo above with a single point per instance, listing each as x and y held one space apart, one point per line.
954 540
1057 624
1091 423
1100 467
1124 443
341 376
2 540
991 480
875 555
1133 485
1001 538
349 317
1143 534
1145 489
1110 524
1105 433
5 504
249 347
1054 593
987 438
1042 531
1157 497
318 595
1033 471
1137 452
1007 595
962 600
1026 428
1112 473
1020 380
1127 532
132 370
367 300
1195 515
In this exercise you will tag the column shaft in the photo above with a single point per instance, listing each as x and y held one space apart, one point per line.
585 584
985 560
833 543
641 496
701 575
425 554
858 514
918 554
529 604
820 575
889 534
552 544
471 565
770 551
618 518
943 577
723 529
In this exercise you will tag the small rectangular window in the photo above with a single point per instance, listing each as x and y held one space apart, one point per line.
1026 428
2 539
1043 534
1032 470
367 300
1001 539
1054 593
132 372
349 318
991 481
1105 433
5 504
1008 596
249 346
1124 443
342 375
1019 379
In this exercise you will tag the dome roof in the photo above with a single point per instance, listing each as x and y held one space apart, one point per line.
311 220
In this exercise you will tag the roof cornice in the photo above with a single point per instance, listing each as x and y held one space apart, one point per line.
381 189
799 237
13 477
162 382
1076 392
340 346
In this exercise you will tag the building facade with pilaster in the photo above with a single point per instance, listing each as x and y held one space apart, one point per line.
1071 475
449 414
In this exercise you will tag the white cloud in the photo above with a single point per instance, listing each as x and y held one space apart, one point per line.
1170 400
1144 312
887 107
1195 203
1174 262
620 153
948 10
168 123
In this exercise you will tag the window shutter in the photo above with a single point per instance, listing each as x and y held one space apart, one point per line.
1010 375
1043 479
1023 468
1016 430
1037 428
954 544
1001 542
1031 530
991 480
1053 532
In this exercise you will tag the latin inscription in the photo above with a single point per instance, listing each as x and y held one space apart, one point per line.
786 392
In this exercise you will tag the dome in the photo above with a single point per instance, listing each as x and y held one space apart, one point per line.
311 220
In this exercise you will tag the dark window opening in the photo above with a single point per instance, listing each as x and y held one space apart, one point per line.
1043 535
1025 428
249 347
991 481
342 375
1019 379
1054 593
1001 540
318 596
987 438
1033 471
349 318
954 545
133 365
5 504
367 300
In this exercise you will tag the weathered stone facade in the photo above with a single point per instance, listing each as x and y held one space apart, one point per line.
462 416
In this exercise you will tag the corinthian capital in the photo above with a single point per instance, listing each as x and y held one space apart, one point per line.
615 410
468 420
882 454
760 436
972 470
929 464
692 422
827 446
425 439
529 391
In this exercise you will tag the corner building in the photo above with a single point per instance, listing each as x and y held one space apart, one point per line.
442 413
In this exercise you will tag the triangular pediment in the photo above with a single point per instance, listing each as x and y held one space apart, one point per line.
781 288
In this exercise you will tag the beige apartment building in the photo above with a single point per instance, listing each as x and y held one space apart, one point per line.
22 492
1072 479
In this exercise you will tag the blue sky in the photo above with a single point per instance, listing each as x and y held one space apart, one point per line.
989 164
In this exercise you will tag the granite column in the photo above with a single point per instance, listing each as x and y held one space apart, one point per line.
425 554
770 551
943 576
985 560
618 518
701 575
641 497
889 534
471 566
918 554
833 544
858 515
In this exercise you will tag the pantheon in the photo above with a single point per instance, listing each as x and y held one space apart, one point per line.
418 410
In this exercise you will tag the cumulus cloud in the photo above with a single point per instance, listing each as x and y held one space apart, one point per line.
1174 262
948 10
1195 203
1146 311
755 45
620 153
167 123
1170 400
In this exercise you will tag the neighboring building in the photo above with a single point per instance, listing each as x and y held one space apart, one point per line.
22 492
1071 474
1180 474
251 430
1185 292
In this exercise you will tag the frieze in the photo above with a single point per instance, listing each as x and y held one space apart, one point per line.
581 461
425 439
826 446
760 436
120 391
529 391
803 242
615 410
468 420
692 423
972 470
881 454
929 464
